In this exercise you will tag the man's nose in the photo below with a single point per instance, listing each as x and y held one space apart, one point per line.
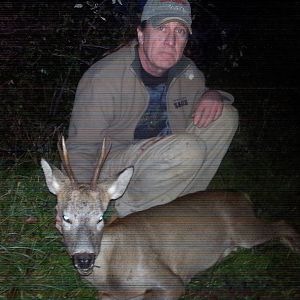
171 39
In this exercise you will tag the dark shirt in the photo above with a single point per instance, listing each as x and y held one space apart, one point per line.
154 121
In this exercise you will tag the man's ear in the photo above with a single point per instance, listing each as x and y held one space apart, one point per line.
118 188
140 35
55 179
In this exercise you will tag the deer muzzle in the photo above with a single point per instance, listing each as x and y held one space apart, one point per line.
84 262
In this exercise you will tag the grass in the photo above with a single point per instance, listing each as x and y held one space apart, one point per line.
33 261
266 272
35 265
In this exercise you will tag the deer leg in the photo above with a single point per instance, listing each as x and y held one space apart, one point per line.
164 294
288 236
257 231
166 286
104 296
122 295
146 295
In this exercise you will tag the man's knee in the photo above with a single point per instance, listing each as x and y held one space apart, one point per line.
186 148
229 117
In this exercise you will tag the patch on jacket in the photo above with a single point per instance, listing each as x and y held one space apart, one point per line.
180 102
190 75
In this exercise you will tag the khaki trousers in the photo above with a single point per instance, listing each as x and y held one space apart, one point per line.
172 166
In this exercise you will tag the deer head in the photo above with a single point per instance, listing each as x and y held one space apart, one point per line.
80 207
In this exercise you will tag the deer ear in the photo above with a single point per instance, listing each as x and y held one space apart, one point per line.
117 189
55 179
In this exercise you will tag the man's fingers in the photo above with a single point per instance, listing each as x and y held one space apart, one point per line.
202 119
208 119
207 112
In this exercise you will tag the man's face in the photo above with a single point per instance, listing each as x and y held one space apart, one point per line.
162 47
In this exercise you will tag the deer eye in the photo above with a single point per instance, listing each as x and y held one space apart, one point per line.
100 220
67 219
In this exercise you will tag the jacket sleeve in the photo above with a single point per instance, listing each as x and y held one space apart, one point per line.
227 97
92 113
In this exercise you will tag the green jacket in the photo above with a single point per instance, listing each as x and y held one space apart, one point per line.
111 98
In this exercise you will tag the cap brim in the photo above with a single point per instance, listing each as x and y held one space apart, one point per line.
157 21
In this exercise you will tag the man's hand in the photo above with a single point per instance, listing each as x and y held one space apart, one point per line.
209 109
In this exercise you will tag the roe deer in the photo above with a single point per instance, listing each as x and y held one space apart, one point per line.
154 253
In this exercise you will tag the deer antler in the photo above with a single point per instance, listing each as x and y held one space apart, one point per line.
63 153
100 162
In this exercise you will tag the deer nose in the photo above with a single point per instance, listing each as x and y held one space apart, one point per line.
84 261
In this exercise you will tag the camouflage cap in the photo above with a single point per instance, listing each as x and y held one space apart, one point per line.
161 11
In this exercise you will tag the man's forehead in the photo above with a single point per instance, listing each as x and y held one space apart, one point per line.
176 22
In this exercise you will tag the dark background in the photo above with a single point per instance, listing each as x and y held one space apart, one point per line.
249 48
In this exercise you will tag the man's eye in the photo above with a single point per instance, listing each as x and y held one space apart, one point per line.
182 32
161 28
67 219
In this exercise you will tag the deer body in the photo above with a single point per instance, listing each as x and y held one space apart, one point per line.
154 253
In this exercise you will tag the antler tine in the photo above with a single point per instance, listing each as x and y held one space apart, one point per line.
63 153
100 162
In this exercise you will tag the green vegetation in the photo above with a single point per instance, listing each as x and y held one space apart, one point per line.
33 261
